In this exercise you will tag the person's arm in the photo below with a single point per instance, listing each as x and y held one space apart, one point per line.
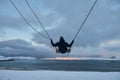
53 43
71 43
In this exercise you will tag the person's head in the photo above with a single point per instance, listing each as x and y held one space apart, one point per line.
61 39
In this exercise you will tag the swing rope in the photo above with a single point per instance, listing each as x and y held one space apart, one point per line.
27 21
37 18
85 20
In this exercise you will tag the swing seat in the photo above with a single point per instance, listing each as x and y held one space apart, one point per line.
68 50
57 50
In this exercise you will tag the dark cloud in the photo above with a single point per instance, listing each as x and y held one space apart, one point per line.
23 48
18 47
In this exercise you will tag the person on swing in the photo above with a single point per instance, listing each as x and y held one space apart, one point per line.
62 45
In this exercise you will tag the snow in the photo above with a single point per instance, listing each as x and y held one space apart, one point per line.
2 57
20 57
57 75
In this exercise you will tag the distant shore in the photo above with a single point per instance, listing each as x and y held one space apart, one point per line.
8 60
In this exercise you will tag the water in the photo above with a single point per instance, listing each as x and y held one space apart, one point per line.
60 70
64 65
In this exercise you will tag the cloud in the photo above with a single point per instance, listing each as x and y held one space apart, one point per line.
20 47
111 4
63 17
102 24
112 45
11 19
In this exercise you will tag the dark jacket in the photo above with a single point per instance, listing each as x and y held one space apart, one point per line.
62 45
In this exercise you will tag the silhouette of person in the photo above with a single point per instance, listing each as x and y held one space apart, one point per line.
62 45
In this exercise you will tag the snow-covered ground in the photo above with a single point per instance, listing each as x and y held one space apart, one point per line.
57 75
20 57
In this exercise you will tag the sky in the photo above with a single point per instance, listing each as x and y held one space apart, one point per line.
99 37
